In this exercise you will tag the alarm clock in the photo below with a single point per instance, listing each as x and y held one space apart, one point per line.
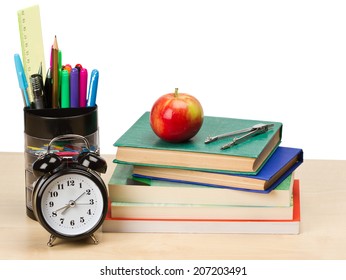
69 197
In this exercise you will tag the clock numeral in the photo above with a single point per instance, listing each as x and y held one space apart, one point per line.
89 212
60 186
53 194
70 183
80 185
91 202
54 214
88 192
82 220
51 203
62 220
72 222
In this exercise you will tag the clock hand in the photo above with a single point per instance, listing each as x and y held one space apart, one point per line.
57 210
72 203
83 203
79 197
68 206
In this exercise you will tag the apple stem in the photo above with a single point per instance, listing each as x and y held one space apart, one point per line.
176 92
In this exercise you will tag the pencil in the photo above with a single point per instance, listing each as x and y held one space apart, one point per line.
55 74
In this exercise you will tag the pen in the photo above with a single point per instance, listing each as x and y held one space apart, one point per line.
59 69
74 88
59 59
48 88
94 78
83 84
55 74
68 68
37 87
51 58
40 69
79 66
65 89
23 84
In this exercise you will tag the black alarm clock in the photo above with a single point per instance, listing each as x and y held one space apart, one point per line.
70 198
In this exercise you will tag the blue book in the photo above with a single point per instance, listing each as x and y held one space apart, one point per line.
278 167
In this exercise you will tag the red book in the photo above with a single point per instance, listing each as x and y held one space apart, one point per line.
209 226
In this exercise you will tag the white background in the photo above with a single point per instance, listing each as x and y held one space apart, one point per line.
255 269
266 60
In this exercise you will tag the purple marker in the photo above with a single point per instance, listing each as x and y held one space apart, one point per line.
74 88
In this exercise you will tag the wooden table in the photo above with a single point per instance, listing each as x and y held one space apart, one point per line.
323 226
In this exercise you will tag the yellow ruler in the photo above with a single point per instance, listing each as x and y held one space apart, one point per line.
30 31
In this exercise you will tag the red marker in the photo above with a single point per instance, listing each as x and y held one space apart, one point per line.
79 66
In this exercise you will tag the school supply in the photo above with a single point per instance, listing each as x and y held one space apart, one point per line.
140 146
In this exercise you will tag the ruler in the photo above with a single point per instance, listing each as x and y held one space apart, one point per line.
30 31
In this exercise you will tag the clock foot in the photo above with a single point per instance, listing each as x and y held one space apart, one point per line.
51 240
94 239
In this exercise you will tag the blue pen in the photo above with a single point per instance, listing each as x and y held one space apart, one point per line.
23 83
94 79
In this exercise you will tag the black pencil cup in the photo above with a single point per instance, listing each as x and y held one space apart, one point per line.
42 125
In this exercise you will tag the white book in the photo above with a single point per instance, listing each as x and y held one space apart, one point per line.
122 187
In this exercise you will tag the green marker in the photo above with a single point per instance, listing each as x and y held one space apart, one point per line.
65 89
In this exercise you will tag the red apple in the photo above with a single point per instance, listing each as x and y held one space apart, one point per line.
176 117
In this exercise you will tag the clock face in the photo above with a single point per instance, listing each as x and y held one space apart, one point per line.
71 205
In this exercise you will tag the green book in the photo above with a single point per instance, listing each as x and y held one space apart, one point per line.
139 145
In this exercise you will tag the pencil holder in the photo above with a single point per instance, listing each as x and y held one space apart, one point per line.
42 125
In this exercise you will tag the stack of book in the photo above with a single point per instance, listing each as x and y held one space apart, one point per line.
194 187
